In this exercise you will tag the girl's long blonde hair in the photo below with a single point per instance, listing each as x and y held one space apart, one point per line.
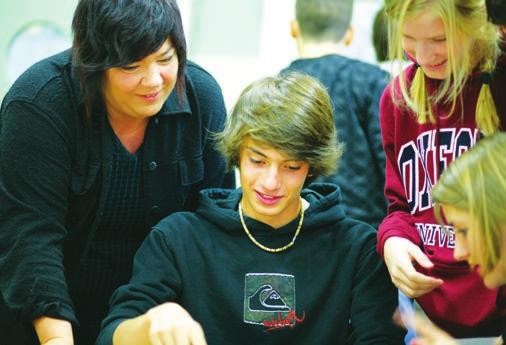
476 183
472 42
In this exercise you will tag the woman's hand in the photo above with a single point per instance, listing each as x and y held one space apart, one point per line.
58 341
399 254
51 331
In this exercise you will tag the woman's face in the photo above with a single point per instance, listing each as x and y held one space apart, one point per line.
424 40
139 90
463 226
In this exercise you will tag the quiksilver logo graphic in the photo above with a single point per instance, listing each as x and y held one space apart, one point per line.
269 300
289 321
266 298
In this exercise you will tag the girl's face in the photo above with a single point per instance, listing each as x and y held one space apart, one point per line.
463 226
424 40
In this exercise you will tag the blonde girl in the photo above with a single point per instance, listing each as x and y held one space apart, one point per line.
435 110
471 194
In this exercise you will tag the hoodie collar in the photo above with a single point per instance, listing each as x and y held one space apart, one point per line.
220 206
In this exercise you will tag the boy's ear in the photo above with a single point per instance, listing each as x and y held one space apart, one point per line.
294 29
348 36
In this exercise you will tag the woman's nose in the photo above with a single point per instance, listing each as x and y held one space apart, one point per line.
152 77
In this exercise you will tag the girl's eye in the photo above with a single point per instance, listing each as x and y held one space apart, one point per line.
462 232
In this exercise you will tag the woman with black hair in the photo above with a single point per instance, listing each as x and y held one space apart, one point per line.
97 144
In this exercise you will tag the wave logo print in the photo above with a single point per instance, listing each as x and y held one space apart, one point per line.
266 298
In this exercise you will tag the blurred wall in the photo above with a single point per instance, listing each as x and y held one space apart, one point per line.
31 30
252 40
237 41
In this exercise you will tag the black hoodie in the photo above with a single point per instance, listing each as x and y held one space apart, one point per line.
329 288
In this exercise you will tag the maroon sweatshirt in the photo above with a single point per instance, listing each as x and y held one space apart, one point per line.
415 157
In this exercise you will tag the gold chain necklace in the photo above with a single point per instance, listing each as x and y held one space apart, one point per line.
267 249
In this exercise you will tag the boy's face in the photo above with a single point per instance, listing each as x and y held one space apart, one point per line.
271 183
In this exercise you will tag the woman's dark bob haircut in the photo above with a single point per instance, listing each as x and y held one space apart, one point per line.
113 33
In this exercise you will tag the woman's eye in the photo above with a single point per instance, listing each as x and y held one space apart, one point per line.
166 60
129 68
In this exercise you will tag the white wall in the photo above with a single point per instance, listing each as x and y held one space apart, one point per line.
273 47
276 47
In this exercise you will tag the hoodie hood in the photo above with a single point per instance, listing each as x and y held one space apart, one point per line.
220 206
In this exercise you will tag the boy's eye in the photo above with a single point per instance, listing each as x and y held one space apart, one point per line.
293 167
255 161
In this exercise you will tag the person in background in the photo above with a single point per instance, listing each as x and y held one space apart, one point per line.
97 144
321 29
496 10
431 113
471 196
270 263
380 44
380 35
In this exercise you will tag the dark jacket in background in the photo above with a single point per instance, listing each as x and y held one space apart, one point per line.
54 170
355 89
